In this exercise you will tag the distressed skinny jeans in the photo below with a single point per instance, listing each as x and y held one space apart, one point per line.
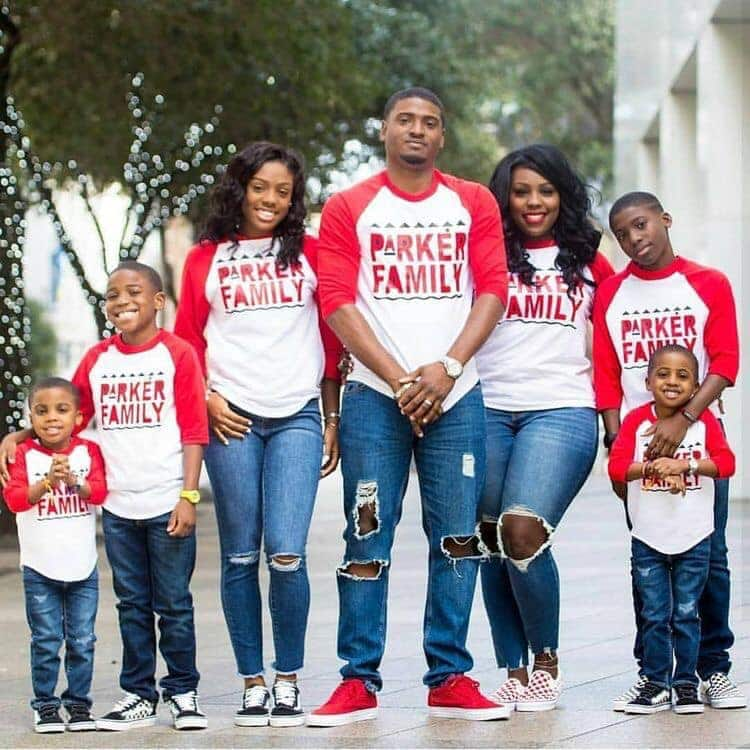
264 490
537 461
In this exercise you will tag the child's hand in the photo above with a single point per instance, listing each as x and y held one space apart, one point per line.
182 521
59 470
664 467
676 484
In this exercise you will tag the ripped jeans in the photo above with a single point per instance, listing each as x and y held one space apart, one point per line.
264 489
537 461
376 449
669 587
61 612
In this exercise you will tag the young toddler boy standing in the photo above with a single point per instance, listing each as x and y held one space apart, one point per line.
670 502
53 482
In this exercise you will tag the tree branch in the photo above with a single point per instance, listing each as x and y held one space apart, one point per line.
90 209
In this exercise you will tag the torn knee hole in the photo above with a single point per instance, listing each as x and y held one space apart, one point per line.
243 558
367 519
285 563
366 510
456 547
524 536
370 570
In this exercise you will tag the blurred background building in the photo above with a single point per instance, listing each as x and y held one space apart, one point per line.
682 131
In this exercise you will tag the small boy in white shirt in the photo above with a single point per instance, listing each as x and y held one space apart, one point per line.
54 480
670 502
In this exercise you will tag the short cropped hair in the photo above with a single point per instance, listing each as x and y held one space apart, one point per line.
673 349
414 92
141 268
55 382
636 198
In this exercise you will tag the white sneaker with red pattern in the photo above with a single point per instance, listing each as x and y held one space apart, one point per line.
508 693
542 692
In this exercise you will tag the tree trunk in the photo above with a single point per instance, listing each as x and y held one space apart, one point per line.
14 332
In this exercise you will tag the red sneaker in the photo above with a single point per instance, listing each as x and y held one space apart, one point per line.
459 698
351 701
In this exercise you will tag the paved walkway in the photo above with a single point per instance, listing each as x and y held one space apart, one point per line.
592 551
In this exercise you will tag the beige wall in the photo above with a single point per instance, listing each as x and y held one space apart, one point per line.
682 130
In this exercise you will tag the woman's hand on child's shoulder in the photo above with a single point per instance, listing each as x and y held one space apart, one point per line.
7 456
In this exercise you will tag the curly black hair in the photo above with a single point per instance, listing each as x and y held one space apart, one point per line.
574 231
225 215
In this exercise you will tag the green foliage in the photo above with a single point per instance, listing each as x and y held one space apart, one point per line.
43 345
553 64
311 74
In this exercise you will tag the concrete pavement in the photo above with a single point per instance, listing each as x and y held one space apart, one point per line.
596 635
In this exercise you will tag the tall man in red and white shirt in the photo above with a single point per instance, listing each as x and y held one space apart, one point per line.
402 256
658 299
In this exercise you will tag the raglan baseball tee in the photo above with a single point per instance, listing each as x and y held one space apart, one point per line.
412 265
670 523
636 311
255 325
148 401
57 535
536 357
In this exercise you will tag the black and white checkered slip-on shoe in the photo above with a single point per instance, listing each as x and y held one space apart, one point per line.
720 692
130 712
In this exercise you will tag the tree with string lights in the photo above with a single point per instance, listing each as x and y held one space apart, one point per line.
159 184
14 321
15 333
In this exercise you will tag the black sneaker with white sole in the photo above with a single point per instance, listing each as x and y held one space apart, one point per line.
286 711
47 720
256 707
619 703
80 718
686 700
650 699
186 713
130 712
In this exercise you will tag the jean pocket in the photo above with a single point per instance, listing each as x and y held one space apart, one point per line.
354 387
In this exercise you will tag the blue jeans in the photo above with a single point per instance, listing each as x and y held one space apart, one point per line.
60 611
669 588
537 461
713 607
264 490
376 448
151 572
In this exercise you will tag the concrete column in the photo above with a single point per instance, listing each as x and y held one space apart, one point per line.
647 160
723 137
678 168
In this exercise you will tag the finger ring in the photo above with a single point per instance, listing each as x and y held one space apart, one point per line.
403 389
427 401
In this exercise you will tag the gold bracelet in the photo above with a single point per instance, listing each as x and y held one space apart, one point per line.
48 486
192 496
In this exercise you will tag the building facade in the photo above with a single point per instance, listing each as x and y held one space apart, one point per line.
682 131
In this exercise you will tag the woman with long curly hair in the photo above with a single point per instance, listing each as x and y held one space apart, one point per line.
249 307
539 402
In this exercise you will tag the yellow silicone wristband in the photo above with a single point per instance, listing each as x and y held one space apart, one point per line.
192 496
